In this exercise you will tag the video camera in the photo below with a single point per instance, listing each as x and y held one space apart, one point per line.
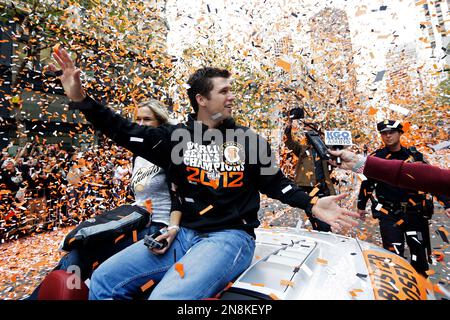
151 243
318 144
295 114
335 140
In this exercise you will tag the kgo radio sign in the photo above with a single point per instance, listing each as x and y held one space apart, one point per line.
338 138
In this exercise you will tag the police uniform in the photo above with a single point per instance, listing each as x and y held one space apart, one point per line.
401 212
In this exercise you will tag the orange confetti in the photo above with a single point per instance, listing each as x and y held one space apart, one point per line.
303 93
206 210
314 192
95 265
286 66
258 284
119 238
179 269
56 48
135 239
443 230
147 286
437 289
354 292
321 261
406 126
287 283
148 205
430 272
439 255
372 111
274 296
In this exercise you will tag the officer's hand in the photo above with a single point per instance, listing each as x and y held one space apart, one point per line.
327 210
362 214
447 212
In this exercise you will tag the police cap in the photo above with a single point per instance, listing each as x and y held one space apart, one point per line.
388 125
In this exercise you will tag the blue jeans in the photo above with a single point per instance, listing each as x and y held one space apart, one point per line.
210 261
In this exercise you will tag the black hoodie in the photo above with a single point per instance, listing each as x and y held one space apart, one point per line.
219 172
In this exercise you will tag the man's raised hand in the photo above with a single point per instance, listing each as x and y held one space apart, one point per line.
70 77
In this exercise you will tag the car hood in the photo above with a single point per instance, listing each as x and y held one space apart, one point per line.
298 264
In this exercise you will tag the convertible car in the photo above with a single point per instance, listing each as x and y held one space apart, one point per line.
297 264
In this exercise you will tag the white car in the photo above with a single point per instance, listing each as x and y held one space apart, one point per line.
297 264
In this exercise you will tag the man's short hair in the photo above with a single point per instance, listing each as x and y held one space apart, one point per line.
200 83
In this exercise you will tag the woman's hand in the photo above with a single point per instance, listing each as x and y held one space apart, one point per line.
170 235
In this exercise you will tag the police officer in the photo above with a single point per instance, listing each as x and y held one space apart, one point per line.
312 174
401 212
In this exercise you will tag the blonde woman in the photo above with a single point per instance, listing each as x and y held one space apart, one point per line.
150 188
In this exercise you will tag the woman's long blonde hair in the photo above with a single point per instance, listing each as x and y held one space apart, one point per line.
158 109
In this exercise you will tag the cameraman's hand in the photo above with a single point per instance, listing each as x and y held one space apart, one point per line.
169 236
362 214
288 128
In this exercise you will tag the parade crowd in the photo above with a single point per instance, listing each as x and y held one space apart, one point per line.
46 186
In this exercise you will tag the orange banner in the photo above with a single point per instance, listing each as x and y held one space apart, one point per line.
393 278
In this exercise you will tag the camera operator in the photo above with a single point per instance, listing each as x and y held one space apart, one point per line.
312 173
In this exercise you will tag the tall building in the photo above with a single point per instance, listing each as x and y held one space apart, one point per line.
332 55
403 80
283 46
436 27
